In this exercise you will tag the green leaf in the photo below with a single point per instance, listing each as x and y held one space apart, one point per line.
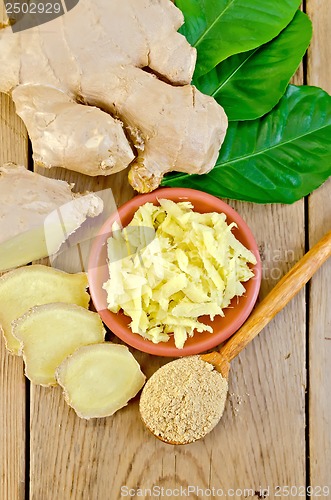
250 84
221 28
278 158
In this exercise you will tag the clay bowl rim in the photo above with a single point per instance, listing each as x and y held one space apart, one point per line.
239 309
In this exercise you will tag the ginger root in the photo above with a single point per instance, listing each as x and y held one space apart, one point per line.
37 215
128 60
30 286
51 332
99 379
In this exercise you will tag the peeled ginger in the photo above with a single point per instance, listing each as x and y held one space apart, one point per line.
30 286
99 379
38 214
51 332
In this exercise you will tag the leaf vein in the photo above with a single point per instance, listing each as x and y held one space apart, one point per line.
275 146
222 84
212 24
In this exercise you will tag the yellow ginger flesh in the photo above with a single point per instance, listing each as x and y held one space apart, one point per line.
193 267
51 332
99 379
34 285
37 215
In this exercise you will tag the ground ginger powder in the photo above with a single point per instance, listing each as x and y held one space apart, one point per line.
183 400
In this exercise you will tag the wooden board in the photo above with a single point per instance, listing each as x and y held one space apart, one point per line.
13 147
122 442
89 450
261 441
319 73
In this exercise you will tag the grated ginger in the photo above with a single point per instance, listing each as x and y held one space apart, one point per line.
178 265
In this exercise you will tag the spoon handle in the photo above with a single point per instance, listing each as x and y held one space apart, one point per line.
279 296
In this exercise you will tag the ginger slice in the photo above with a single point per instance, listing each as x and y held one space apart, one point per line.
38 214
34 285
100 379
51 332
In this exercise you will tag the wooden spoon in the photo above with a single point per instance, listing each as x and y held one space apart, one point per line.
275 301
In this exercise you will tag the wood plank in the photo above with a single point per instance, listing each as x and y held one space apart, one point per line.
261 439
89 459
262 433
320 346
13 147
78 444
319 73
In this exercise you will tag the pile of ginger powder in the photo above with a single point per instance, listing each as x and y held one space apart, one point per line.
183 400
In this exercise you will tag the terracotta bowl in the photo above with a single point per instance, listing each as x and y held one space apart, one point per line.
224 327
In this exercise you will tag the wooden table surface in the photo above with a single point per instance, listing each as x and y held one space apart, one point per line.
276 429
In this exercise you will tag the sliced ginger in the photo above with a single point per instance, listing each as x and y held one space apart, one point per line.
51 332
100 379
30 286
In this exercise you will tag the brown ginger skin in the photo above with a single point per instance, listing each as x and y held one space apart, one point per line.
127 59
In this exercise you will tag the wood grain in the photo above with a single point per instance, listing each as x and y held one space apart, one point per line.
320 348
3 14
86 454
279 297
91 459
13 148
319 73
260 441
